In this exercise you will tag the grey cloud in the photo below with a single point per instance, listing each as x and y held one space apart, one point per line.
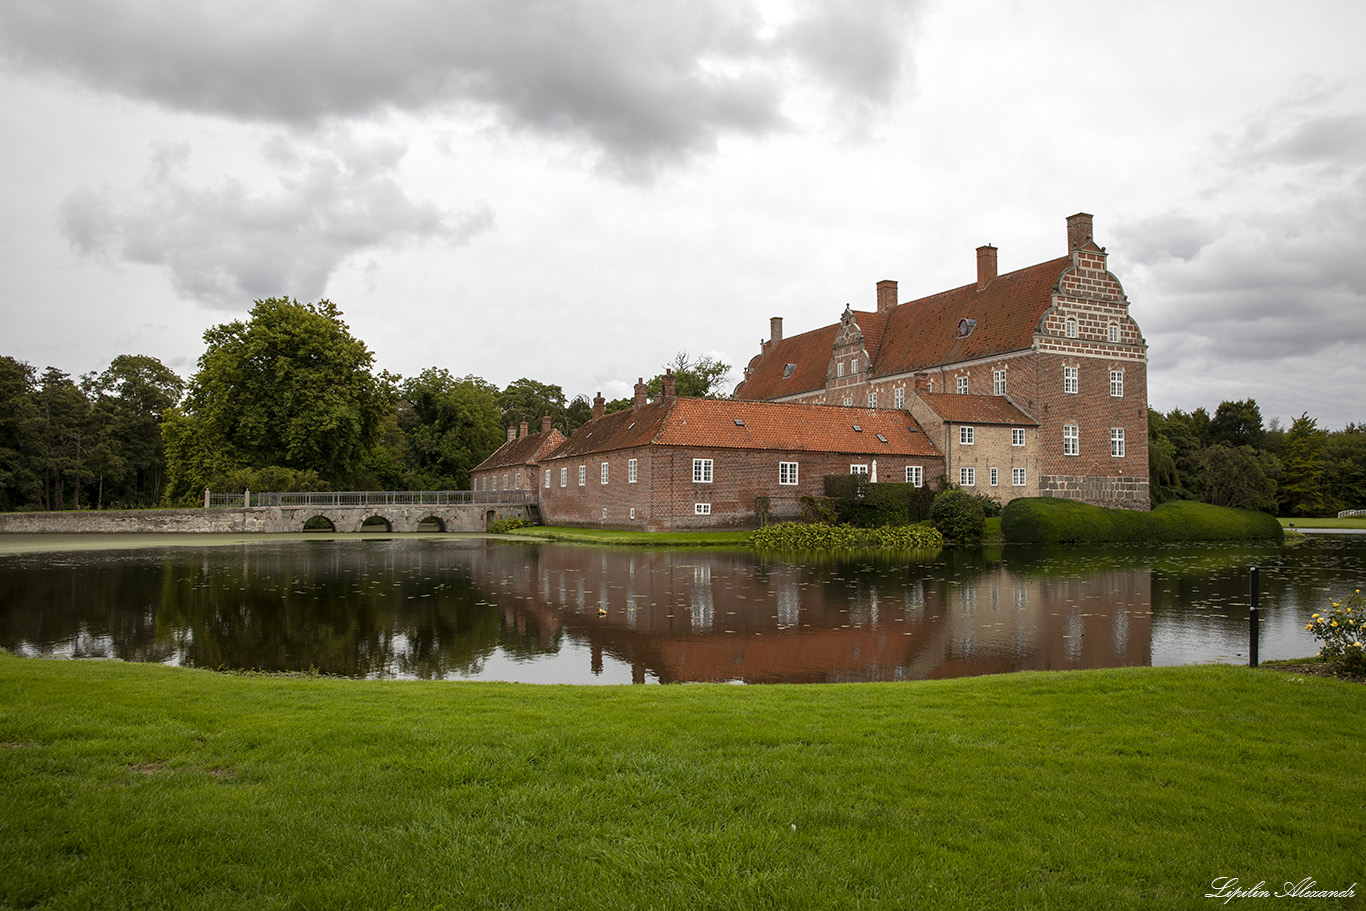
1171 235
648 83
225 245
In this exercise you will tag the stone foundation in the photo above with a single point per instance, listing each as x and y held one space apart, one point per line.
1114 492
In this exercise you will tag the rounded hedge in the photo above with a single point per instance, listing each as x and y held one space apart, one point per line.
1045 520
959 516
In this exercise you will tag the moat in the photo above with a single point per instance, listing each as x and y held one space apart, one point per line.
469 608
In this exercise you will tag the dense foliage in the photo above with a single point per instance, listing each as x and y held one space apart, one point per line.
959 516
1043 520
1232 459
1342 629
820 536
860 502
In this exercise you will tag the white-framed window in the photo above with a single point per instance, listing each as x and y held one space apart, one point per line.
1117 442
853 366
505 481
633 512
787 473
1069 380
961 385
604 472
998 382
631 472
898 397
872 400
564 477
848 400
604 512
839 368
967 435
583 475
993 477
1113 332
1071 440
547 478
967 477
1017 436
858 469
517 481
915 476
1117 383
1071 328
701 509
1017 477
701 471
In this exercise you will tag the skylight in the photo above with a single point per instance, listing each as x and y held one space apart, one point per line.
858 428
882 438
738 422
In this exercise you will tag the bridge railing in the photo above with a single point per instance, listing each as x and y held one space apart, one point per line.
370 498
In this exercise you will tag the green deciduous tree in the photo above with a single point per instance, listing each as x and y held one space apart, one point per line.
21 481
1238 424
449 425
527 400
289 387
1238 476
700 377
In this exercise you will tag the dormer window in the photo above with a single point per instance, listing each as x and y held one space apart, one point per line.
787 370
965 327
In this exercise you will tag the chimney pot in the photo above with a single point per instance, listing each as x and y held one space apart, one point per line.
642 394
986 265
521 430
512 433
545 422
775 330
1078 230
668 383
599 405
886 295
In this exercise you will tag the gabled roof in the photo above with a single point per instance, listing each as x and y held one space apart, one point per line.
916 335
976 409
527 450
735 424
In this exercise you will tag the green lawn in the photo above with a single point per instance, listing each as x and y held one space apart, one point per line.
137 786
636 538
1354 522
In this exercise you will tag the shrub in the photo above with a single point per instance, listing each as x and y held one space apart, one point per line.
501 526
959 517
1044 520
1342 630
819 509
860 502
820 536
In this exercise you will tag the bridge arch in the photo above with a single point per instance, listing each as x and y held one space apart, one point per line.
375 522
319 523
430 523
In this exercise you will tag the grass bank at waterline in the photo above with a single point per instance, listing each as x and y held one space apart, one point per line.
1348 522
143 786
634 538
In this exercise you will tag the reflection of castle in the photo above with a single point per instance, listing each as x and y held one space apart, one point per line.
704 616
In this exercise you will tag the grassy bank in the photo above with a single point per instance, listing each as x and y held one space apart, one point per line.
635 538
1353 522
144 786
1044 520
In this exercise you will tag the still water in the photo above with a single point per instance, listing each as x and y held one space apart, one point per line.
467 608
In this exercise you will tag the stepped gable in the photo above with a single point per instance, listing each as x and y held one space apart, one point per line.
1008 310
776 426
976 409
525 450
809 353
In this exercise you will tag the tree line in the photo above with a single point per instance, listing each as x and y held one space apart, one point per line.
287 399
1233 459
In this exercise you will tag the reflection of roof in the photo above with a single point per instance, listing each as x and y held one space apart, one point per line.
527 450
919 334
734 424
976 409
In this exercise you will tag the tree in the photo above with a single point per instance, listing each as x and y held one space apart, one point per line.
20 435
1237 476
1344 459
1302 490
449 425
129 457
702 377
1238 424
527 400
65 414
290 387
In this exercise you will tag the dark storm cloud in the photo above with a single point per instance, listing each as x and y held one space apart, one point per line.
225 245
648 83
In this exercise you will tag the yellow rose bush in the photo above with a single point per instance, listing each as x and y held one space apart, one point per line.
1342 630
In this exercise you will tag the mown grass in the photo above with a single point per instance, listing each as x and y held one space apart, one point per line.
1351 522
635 538
151 787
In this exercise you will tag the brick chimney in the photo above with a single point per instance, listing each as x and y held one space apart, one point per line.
512 433
886 295
986 265
668 383
521 431
599 405
642 394
1078 230
545 422
775 330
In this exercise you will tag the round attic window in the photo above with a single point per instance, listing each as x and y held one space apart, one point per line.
965 327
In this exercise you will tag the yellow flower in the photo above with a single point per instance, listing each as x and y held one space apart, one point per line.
1309 626
1316 616
1334 623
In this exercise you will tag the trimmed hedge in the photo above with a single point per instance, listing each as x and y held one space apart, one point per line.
1045 520
858 501
803 536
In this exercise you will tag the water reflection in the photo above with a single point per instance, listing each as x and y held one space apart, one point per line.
552 613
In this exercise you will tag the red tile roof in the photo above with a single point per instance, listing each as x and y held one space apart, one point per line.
916 335
788 427
976 409
527 450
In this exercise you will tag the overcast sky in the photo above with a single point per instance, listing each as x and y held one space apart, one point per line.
574 190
